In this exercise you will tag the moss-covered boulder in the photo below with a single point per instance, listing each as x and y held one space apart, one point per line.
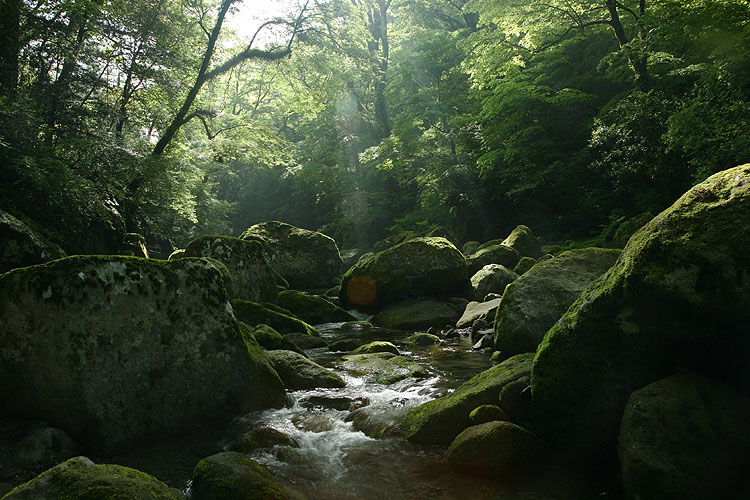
116 350
423 339
46 446
298 372
536 300
270 339
252 276
306 259
383 367
687 437
232 476
255 314
264 438
470 247
524 265
430 267
679 293
493 254
487 413
414 314
21 246
81 479
441 420
305 341
524 242
477 310
492 278
377 346
496 448
313 309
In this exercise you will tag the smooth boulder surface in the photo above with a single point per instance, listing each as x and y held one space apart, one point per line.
252 276
298 372
492 278
383 367
232 476
493 254
685 437
420 267
21 246
312 309
81 479
536 300
377 346
522 240
524 265
679 295
116 350
439 421
413 314
306 259
477 310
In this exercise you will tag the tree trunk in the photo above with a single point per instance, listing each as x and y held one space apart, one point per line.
637 60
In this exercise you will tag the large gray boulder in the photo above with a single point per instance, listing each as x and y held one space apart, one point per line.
81 479
439 421
685 437
419 267
492 278
493 254
298 372
679 293
478 310
536 300
21 246
246 261
117 350
524 242
306 259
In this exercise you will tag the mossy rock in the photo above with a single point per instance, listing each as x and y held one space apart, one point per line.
21 246
678 295
304 341
298 372
628 227
255 314
383 367
306 259
524 265
419 267
470 247
252 276
312 309
416 314
81 479
493 254
232 476
45 446
487 413
270 339
489 243
536 300
477 310
264 438
497 448
439 421
492 278
425 339
524 242
377 346
81 337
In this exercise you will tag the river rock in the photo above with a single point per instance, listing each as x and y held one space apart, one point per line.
115 350
255 314
45 445
383 367
470 247
497 448
312 309
439 421
270 339
424 339
524 265
536 300
492 278
477 310
414 314
264 438
679 292
377 346
232 476
493 254
306 259
685 437
81 479
304 341
522 240
487 413
298 372
252 276
21 246
430 267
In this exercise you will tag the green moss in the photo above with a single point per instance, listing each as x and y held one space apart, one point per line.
423 339
383 367
377 346
312 309
232 476
254 314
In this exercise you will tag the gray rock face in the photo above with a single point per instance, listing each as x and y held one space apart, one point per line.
81 479
306 259
21 246
536 300
421 267
477 310
246 261
677 296
493 254
524 242
412 314
116 350
298 372
492 278
685 437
